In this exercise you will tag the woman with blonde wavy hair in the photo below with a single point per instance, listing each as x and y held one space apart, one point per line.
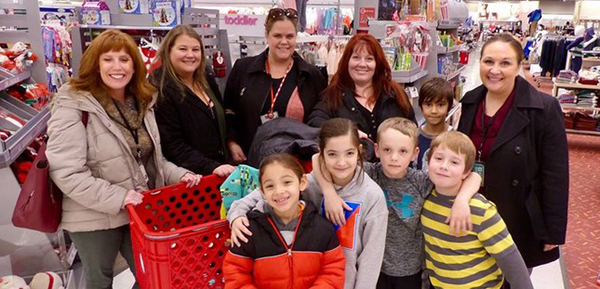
104 150
190 113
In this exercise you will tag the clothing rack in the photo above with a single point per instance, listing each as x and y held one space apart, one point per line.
553 57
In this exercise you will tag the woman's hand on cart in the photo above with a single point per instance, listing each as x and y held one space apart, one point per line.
191 179
133 198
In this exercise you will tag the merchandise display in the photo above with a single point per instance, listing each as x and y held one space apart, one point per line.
95 13
17 59
166 13
133 6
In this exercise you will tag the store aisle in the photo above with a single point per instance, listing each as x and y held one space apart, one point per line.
582 251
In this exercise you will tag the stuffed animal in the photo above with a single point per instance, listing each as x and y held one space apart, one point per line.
46 280
13 282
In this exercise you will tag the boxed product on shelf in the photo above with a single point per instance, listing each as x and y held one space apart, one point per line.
95 13
390 55
134 6
404 62
166 13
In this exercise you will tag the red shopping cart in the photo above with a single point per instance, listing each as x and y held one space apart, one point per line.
179 242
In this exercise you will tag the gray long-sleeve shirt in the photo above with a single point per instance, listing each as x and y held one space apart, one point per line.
404 253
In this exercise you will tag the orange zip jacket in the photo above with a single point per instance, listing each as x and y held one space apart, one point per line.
314 260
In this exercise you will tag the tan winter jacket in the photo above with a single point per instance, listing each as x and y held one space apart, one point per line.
94 167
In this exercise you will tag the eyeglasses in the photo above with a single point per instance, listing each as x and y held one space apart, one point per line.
280 12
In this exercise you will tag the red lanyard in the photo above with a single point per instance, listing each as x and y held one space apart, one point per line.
274 97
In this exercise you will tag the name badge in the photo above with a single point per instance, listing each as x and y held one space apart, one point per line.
269 116
479 168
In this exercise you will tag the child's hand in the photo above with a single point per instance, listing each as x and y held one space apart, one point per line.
239 228
460 218
334 208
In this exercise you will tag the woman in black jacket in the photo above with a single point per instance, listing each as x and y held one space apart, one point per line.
521 150
189 113
276 83
362 89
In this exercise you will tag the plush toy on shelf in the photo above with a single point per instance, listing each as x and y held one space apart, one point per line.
17 58
13 282
43 280
46 280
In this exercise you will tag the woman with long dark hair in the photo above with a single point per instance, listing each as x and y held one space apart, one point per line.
362 89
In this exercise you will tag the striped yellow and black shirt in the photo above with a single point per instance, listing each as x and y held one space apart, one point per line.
469 261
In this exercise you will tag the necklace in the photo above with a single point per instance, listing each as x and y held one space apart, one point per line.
198 91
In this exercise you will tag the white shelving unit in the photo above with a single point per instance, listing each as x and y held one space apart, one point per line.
402 77
448 50
204 21
25 252
29 31
567 106
450 27
456 73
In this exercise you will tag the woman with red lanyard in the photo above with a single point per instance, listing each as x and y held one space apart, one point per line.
275 83
522 151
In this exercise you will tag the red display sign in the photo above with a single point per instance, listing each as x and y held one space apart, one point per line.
364 13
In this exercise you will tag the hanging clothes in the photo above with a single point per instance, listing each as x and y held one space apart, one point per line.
301 8
554 56
289 4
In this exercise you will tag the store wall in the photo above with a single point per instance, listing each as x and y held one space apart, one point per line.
504 10
559 7
590 10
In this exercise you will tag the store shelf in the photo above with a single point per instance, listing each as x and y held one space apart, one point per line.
576 85
400 77
312 38
448 24
18 142
456 72
448 50
124 27
575 106
591 59
577 131
8 80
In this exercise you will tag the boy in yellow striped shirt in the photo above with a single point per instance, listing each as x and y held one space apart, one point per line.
487 254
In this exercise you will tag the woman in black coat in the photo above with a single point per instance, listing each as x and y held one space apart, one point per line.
189 112
521 149
275 83
362 89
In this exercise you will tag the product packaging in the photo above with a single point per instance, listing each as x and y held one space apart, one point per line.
134 6
166 13
95 13
390 55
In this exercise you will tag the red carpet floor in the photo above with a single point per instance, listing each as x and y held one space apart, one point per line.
582 250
